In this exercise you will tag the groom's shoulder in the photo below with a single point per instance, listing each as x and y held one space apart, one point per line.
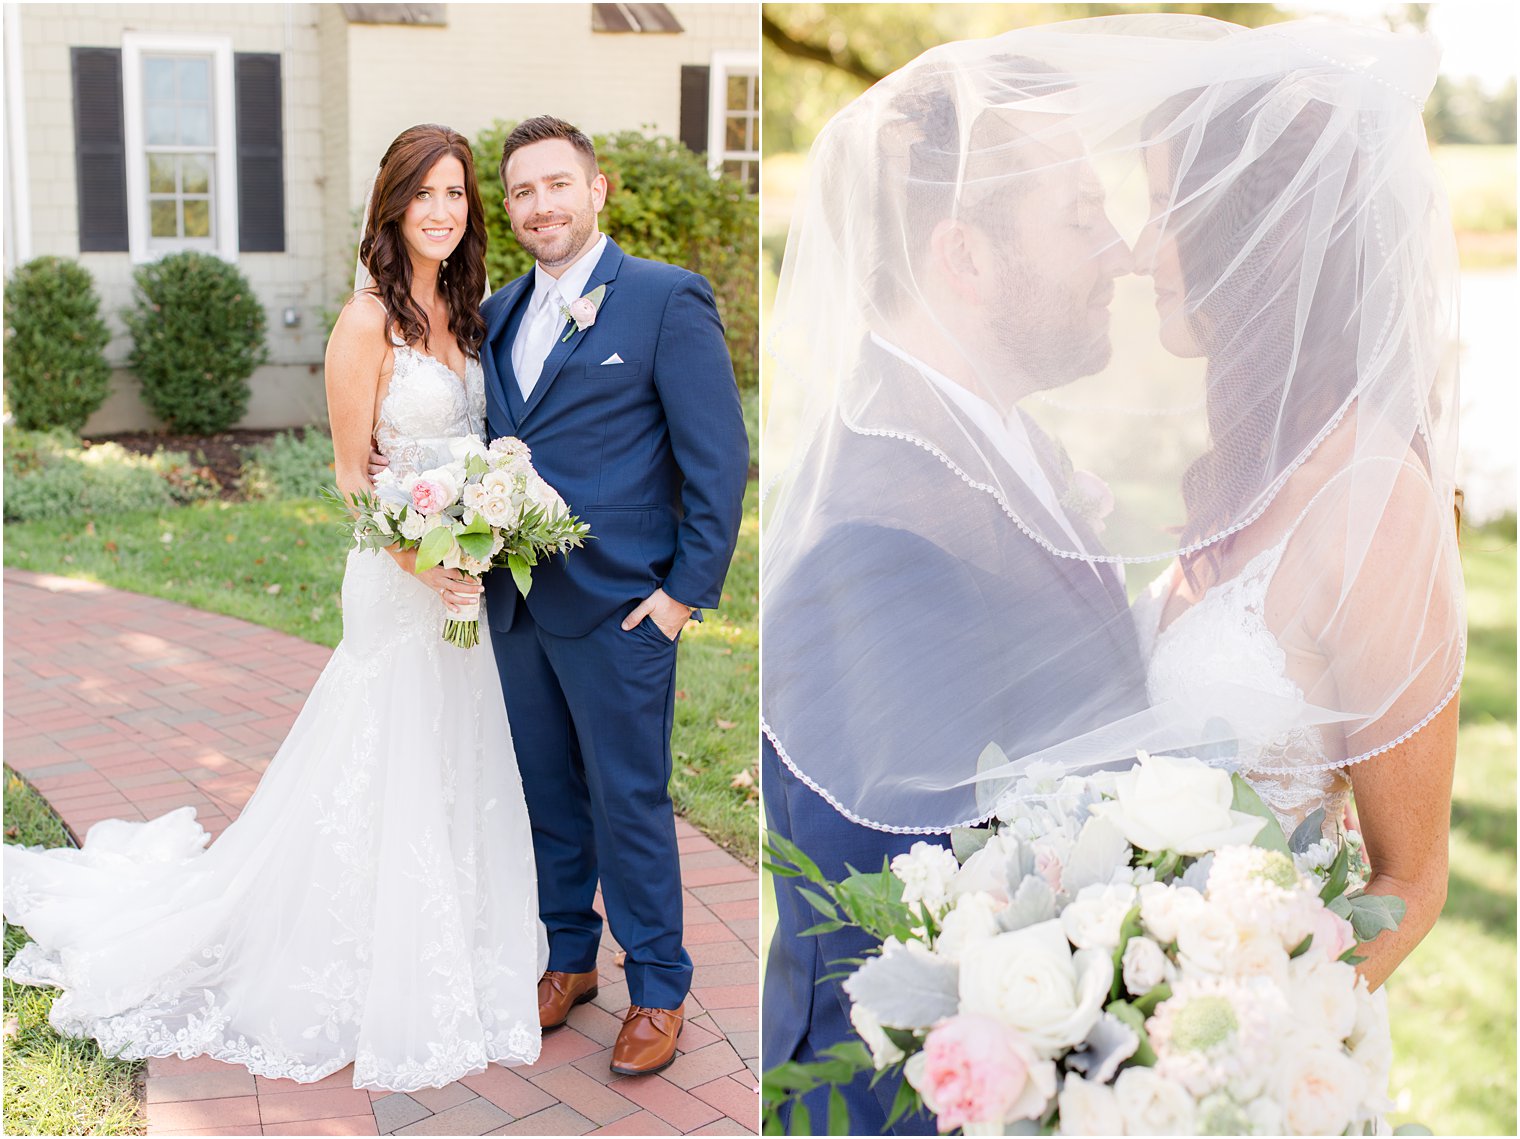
657 274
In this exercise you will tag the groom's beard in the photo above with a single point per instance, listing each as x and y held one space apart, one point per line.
1058 335
562 247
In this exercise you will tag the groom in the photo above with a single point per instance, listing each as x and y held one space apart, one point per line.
913 621
632 414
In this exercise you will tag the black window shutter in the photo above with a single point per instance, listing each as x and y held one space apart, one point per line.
694 108
260 153
100 149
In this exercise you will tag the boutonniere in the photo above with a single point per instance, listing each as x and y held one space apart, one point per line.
1089 498
581 312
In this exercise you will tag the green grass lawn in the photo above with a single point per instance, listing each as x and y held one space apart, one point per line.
54 1085
280 564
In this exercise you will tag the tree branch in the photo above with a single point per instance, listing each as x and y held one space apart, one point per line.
844 60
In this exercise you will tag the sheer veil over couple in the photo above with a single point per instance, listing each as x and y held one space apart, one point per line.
411 888
1141 299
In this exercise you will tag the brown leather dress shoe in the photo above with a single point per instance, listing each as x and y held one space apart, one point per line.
558 993
647 1041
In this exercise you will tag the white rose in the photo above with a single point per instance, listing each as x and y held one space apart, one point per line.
1179 804
545 497
1151 1104
1145 966
1259 953
1088 1109
1207 940
466 447
1031 980
414 525
973 919
1164 909
883 1051
1095 918
986 871
1320 1088
474 566
1323 996
925 872
452 556
498 510
473 496
497 482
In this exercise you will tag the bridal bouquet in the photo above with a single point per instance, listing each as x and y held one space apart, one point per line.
486 507
1139 952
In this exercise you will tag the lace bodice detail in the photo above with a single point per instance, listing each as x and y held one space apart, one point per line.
1225 634
425 405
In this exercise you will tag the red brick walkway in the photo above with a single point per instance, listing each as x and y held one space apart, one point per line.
124 706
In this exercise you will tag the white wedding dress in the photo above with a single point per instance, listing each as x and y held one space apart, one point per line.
375 902
1225 634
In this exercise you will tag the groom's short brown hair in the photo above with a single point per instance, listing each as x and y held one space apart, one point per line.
541 129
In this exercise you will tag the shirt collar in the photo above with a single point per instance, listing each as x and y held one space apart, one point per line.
572 282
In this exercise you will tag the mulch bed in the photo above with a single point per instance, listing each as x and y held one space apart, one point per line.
220 456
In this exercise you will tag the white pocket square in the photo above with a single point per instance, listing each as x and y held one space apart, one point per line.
613 359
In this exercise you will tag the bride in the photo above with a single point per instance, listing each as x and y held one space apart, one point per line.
375 903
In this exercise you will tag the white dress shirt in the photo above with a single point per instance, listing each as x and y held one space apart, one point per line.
1009 437
544 324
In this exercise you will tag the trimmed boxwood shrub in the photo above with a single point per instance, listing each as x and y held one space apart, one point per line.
198 334
55 372
662 204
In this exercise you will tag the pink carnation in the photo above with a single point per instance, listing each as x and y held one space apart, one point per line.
979 1070
583 312
429 497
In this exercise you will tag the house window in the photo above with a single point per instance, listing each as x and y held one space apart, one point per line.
180 146
733 123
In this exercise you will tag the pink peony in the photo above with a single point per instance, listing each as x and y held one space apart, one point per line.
429 497
979 1070
583 312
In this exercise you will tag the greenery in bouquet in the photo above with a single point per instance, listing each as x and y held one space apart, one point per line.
487 507
1138 952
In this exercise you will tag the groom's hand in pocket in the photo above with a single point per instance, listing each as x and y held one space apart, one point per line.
668 613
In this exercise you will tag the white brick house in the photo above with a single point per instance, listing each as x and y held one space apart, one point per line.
251 131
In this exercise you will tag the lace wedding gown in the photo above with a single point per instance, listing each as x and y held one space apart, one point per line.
374 903
1225 634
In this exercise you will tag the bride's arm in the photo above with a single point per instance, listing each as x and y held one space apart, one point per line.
356 355
1403 806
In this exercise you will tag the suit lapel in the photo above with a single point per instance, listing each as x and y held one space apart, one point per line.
604 274
503 399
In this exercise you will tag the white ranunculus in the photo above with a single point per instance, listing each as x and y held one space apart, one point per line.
1320 1088
1095 917
1207 940
925 872
1031 980
414 525
973 919
1151 1104
1323 996
1088 1109
1164 909
1259 953
1145 966
883 1051
1179 804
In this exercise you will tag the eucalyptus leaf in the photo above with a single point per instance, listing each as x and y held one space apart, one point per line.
966 841
1308 832
1100 849
1412 1129
1371 914
906 989
1248 802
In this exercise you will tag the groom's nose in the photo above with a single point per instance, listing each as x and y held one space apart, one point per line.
1116 257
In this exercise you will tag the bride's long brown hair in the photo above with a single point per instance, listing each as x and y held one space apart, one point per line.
382 250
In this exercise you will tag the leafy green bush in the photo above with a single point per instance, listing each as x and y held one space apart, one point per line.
55 373
662 204
52 475
198 334
291 465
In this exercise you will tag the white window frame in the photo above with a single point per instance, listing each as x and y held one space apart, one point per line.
134 45
724 64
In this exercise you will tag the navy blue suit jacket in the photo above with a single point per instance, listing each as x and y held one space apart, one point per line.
650 451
